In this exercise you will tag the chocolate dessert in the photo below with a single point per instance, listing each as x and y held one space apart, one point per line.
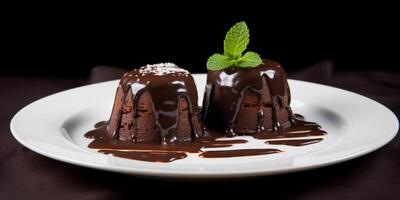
155 104
247 100
155 116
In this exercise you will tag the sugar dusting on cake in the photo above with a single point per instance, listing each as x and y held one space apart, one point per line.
161 69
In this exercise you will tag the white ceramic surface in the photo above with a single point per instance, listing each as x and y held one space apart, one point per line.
54 127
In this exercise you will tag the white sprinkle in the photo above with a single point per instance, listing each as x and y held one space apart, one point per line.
163 69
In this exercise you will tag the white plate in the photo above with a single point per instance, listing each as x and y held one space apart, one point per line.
54 127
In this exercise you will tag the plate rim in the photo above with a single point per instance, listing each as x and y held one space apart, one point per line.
202 174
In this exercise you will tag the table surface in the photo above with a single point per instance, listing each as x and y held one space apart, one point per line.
25 174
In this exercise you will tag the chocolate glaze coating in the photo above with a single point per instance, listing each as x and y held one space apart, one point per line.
247 100
155 104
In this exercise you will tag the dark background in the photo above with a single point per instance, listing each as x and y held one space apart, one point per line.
68 42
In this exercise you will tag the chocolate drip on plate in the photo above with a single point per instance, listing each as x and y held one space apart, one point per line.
206 146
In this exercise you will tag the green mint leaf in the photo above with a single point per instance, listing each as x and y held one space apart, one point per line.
218 62
235 43
236 40
250 59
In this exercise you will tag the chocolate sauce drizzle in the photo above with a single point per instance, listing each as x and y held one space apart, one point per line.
299 142
157 152
211 139
237 153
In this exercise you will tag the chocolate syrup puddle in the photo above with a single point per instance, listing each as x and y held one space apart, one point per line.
237 153
154 152
100 124
211 139
299 128
296 143
147 156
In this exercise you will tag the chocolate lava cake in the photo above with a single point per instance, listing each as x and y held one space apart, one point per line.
156 104
247 100
155 116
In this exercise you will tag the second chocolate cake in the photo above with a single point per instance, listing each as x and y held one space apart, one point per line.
247 100
156 104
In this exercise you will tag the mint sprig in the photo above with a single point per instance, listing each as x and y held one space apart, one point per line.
235 43
236 40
